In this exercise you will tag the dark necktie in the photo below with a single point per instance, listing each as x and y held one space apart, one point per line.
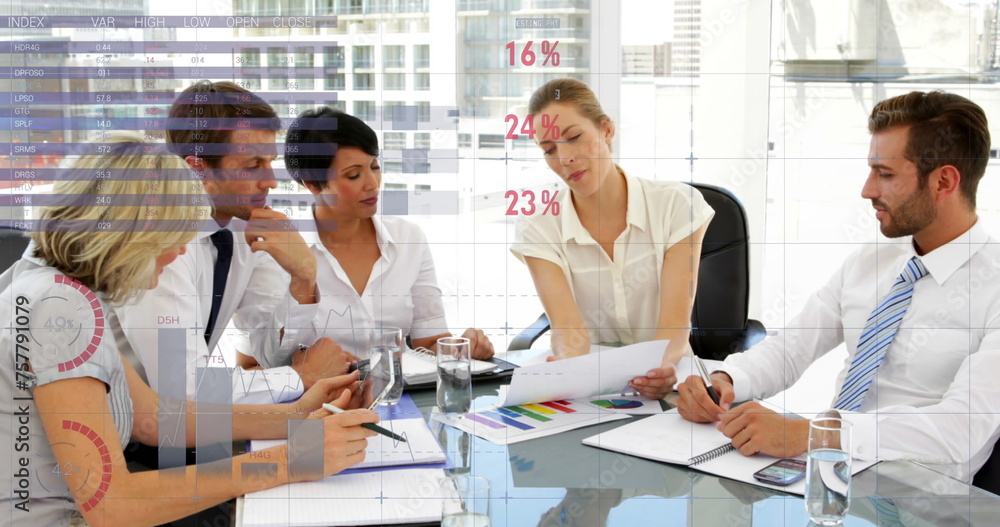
223 241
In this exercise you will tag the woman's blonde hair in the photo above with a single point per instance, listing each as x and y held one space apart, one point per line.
569 91
112 215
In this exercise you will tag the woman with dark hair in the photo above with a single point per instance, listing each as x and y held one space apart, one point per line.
374 270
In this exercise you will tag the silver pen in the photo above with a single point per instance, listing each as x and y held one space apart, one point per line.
703 371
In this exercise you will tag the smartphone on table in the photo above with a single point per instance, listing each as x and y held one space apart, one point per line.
782 472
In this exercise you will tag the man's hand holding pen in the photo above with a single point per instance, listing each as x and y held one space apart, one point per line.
696 405
751 427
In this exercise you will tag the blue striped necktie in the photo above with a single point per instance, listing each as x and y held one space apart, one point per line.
877 337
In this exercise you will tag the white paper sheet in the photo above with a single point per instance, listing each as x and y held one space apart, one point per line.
593 374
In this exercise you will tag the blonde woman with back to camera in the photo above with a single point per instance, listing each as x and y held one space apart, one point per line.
75 402
620 263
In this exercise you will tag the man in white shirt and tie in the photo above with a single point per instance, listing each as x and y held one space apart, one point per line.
920 313
173 330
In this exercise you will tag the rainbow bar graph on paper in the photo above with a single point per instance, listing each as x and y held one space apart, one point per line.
511 424
521 417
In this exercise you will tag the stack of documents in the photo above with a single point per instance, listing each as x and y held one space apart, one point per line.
420 367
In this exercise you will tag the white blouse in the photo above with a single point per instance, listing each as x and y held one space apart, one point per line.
401 292
618 299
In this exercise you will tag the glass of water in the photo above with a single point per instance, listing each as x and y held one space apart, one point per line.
454 369
828 470
389 341
466 501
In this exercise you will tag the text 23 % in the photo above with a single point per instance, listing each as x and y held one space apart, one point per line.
548 199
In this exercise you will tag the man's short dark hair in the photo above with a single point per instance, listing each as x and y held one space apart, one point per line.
224 107
308 151
945 129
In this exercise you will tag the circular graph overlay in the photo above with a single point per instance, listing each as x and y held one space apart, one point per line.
102 449
68 323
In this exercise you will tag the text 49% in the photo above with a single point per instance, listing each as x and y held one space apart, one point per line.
551 129
528 56
548 200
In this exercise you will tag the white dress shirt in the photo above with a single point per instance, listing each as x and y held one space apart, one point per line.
935 398
256 296
401 292
618 299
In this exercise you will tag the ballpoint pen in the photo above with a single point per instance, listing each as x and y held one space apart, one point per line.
703 371
370 426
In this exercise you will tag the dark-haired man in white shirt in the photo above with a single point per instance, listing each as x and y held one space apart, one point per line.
920 315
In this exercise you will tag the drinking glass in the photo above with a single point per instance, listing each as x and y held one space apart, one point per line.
454 375
466 501
828 470
390 341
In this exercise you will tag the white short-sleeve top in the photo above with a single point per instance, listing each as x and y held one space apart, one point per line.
59 325
618 299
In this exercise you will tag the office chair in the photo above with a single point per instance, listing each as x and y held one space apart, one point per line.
719 316
988 477
12 245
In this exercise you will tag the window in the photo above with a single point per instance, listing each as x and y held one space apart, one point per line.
392 167
303 75
335 81
422 188
334 56
423 112
274 56
250 81
364 110
465 140
413 166
422 81
388 114
340 105
523 143
364 81
364 57
422 140
422 56
393 57
394 141
395 81
394 186
490 141
249 58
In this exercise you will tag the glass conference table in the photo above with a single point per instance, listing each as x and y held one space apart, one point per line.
557 481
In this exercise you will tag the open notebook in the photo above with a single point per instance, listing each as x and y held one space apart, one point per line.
670 438
420 367
420 447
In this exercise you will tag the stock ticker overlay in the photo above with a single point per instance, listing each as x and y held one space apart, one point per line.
69 80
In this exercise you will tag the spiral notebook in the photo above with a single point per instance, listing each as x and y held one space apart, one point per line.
420 366
670 438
